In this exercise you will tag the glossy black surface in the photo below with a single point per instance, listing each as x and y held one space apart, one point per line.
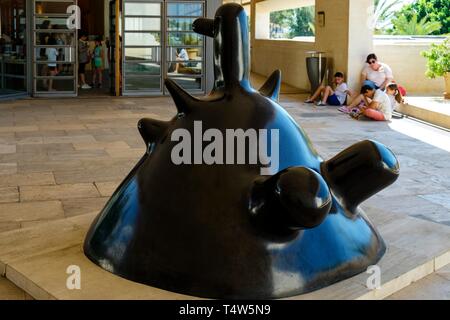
225 231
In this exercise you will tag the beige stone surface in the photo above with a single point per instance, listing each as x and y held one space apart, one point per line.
80 166
8 291
433 287
76 207
107 189
9 195
58 192
30 179
57 245
28 212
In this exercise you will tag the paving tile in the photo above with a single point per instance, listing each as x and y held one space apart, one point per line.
7 148
121 145
433 287
30 179
76 207
8 168
10 194
69 139
9 226
8 291
58 192
26 212
52 236
126 153
28 128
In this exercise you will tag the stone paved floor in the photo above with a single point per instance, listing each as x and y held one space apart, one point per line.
61 158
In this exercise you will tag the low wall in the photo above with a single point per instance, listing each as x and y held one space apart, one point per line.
403 56
288 56
409 66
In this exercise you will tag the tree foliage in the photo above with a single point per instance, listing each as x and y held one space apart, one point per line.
438 59
429 11
384 12
414 26
293 22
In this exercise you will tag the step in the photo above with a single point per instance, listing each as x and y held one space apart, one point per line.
433 287
434 110
8 291
36 259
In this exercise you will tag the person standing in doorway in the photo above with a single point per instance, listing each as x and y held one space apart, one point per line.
52 58
98 62
83 59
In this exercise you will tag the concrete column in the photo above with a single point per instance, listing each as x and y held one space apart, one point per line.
360 38
346 36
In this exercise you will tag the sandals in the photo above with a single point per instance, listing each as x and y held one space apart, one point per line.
344 109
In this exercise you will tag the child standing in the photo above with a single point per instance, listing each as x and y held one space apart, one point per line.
336 97
52 57
98 62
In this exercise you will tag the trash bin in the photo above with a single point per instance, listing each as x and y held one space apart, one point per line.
316 65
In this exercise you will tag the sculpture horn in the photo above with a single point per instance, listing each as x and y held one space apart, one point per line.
294 199
271 88
183 100
360 171
152 130
204 27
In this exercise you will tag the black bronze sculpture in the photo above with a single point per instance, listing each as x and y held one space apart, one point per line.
226 231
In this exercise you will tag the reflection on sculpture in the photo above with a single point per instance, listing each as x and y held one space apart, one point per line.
225 231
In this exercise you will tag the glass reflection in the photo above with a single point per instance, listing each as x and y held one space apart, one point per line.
13 63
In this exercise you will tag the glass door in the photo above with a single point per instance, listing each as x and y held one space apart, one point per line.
185 48
54 49
13 56
158 42
142 47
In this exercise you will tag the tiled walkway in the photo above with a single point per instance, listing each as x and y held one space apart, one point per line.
61 158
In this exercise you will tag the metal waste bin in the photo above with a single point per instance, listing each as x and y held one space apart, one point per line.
316 65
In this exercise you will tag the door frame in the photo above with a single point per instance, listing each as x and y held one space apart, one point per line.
164 45
33 61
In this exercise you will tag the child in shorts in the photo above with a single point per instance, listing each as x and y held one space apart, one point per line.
98 62
330 96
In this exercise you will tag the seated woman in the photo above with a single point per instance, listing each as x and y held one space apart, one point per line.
377 106
376 75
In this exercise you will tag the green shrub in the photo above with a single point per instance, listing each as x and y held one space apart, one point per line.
438 59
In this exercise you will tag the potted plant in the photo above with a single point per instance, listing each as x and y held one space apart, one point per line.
439 63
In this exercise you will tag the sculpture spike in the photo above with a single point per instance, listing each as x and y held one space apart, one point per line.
204 27
183 100
152 130
271 89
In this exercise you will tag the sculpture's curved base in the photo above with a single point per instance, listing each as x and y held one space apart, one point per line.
226 261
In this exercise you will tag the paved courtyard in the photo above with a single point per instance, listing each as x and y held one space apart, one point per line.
61 158
64 158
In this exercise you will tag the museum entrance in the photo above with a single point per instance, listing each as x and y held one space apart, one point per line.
40 56
158 43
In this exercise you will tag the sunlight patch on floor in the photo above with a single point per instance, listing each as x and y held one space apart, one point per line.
430 135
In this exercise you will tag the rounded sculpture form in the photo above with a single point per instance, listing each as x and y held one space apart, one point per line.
233 229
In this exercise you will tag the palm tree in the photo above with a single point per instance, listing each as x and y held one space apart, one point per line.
384 11
414 26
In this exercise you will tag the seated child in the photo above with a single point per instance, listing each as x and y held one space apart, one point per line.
378 106
336 97
394 94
